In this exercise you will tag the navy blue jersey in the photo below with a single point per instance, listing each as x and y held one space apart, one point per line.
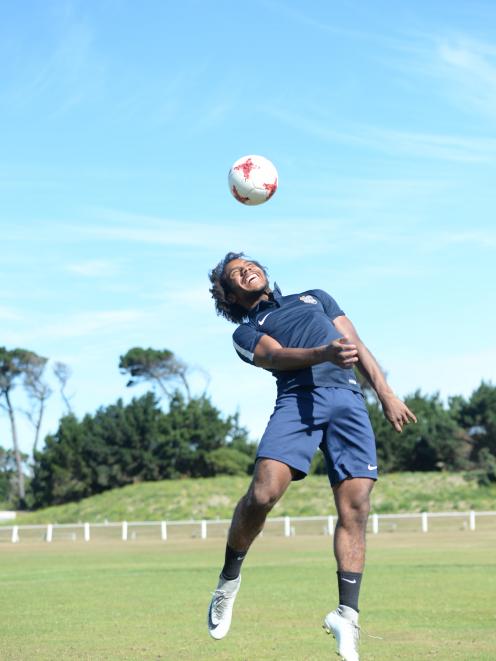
298 320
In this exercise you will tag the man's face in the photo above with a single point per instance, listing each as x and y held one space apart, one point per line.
245 278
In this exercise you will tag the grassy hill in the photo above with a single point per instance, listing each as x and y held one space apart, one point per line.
213 498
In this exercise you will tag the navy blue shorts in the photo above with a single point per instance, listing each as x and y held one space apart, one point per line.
334 419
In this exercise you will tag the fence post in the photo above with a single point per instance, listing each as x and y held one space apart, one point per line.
330 525
471 519
425 523
49 532
15 534
375 524
163 531
124 531
86 532
203 529
287 526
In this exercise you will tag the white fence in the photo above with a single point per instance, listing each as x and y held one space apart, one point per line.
275 526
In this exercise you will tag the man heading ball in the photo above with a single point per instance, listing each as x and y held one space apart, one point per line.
309 345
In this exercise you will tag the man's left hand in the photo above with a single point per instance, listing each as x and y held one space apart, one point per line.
397 412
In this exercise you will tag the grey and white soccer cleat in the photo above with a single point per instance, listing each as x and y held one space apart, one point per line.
221 606
346 632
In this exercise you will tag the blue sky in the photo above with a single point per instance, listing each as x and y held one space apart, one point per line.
120 121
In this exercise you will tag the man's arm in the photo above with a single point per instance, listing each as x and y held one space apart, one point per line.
271 355
396 411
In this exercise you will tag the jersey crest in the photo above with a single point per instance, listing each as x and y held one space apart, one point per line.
308 299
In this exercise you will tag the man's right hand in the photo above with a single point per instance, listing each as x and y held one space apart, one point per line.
342 352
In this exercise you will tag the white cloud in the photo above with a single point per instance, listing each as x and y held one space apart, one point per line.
470 57
303 17
453 68
9 314
437 146
482 238
115 225
195 297
88 323
95 268
65 72
470 66
78 325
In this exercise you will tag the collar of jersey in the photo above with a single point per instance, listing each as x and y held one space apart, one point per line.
264 305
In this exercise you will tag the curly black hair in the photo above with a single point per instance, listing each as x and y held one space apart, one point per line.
220 289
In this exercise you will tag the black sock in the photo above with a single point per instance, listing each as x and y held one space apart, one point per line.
349 588
232 563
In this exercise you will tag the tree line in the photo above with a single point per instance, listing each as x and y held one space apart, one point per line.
28 369
459 436
189 437
121 445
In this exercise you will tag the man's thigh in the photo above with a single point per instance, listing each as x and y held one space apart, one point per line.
349 444
295 430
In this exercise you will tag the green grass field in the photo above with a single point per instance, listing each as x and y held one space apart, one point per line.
429 596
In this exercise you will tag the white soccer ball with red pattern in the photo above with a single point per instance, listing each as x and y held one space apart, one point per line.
252 180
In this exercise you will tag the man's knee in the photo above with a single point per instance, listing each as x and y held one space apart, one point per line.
270 481
354 517
353 504
262 497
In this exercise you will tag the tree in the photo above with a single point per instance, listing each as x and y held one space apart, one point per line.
61 472
122 444
436 442
477 417
38 392
63 373
196 432
14 365
110 449
160 367
8 475
227 461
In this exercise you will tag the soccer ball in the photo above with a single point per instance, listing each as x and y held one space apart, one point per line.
252 180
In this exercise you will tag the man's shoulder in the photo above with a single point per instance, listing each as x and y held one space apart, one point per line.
242 329
310 292
313 296
329 304
317 292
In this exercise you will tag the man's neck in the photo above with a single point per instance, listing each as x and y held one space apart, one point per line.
251 302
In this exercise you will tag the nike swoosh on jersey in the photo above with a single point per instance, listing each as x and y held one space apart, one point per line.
371 468
260 323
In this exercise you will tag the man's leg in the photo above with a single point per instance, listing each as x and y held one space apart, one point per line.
352 499
270 481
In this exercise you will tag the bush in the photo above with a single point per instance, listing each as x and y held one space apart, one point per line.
122 444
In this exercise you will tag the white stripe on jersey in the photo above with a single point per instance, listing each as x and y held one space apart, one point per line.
244 352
